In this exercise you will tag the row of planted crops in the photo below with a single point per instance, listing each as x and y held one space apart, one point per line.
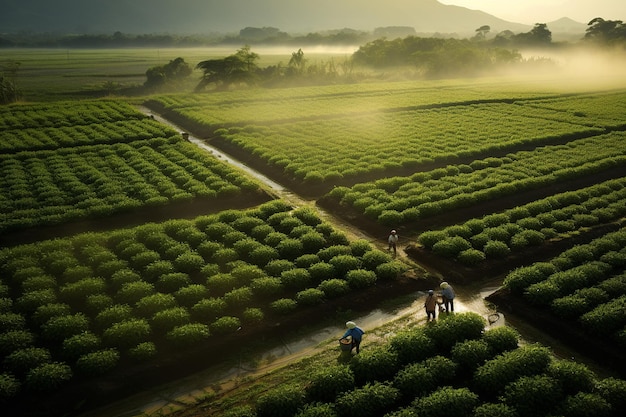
82 306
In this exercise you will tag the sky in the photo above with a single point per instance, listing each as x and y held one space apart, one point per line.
542 11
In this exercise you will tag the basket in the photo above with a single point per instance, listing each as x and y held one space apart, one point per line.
345 344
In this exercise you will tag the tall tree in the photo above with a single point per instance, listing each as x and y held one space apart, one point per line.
239 68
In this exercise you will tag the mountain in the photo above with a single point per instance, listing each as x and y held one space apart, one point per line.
230 16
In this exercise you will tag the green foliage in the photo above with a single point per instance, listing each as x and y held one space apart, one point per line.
225 325
328 382
451 329
143 351
48 377
371 400
470 354
20 361
501 339
412 346
188 334
446 402
283 306
127 333
98 363
360 278
532 395
209 309
280 402
334 287
9 386
376 364
80 344
310 297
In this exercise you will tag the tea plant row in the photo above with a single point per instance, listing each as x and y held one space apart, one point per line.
50 138
82 306
451 367
585 285
497 235
66 114
397 200
52 187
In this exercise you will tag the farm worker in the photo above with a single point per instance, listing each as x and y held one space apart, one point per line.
356 333
431 305
392 240
447 294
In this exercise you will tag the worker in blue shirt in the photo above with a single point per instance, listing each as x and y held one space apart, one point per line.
356 333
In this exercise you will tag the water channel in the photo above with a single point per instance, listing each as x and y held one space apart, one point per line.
165 399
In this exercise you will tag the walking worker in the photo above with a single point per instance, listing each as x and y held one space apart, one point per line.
431 305
392 240
447 294
355 333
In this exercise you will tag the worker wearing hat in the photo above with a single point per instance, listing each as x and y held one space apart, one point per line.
392 240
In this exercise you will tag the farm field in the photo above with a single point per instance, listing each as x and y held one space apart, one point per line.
481 178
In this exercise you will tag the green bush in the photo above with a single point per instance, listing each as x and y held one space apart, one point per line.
11 321
344 263
317 410
542 293
334 287
172 282
573 377
612 390
306 260
312 242
30 301
501 339
450 247
491 377
296 279
238 298
48 377
376 364
371 400
80 344
310 297
533 395
430 238
412 346
521 278
283 401
446 401
188 334
77 292
190 295
290 248
20 361
9 386
360 278
283 306
328 382
321 271
494 410
584 404
150 305
471 257
209 309
496 249
606 318
132 292
114 314
451 329
330 252
225 325
127 333
374 258
470 354
143 351
252 315
165 320
62 327
276 267
98 363
220 284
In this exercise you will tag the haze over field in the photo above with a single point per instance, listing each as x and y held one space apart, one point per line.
205 16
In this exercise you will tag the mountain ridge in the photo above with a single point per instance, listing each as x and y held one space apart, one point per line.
230 16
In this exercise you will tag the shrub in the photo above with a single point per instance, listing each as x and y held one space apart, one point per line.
62 327
276 267
390 270
374 258
584 404
224 256
114 314
532 395
312 242
296 279
501 339
471 257
328 382
80 344
496 249
191 295
321 271
290 248
491 377
126 333
430 238
450 247
306 260
412 346
360 278
143 351
494 410
317 410
11 321
612 390
344 263
446 401
572 376
451 329
283 306
152 304
209 309
158 268
20 361
542 293
390 218
334 287
132 292
261 255
9 386
252 315
165 320
48 376
266 286
521 278
310 297
283 401
225 325
376 364
371 400
606 318
188 334
470 354
238 297
221 283
98 363
30 301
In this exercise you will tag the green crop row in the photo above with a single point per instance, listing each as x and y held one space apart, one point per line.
403 199
49 138
51 187
586 284
448 368
65 114
85 304
499 234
